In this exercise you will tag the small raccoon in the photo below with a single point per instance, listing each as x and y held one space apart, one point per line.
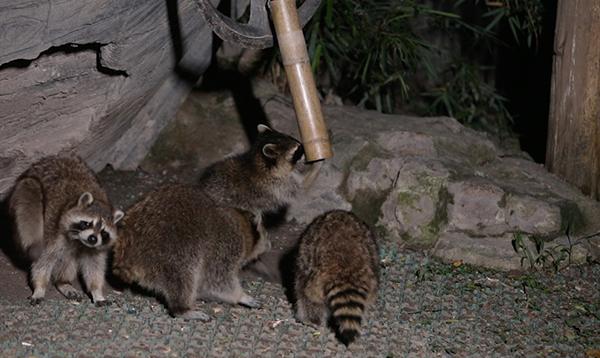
337 273
262 179
178 242
64 222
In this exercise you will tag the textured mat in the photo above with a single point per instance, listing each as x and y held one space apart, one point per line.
424 309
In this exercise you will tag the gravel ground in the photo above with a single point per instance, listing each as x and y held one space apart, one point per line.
425 309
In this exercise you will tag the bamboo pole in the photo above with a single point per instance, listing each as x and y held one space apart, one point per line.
294 54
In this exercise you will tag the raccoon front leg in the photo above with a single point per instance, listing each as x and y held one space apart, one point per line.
263 244
41 271
65 274
181 294
93 269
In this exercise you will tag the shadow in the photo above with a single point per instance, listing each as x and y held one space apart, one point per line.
287 267
215 78
8 245
524 76
189 74
249 108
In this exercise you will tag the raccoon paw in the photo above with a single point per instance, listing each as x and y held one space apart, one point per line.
250 302
103 303
35 301
74 295
314 323
195 316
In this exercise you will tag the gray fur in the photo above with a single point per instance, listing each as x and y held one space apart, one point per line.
263 179
48 199
179 243
185 242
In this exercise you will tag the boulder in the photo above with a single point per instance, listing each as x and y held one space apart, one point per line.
425 183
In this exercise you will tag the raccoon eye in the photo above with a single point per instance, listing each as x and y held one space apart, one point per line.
105 236
298 154
84 225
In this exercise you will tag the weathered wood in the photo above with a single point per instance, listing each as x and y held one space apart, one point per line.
573 150
101 78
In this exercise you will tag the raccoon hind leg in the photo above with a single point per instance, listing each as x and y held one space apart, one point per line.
26 206
308 311
65 274
230 291
180 292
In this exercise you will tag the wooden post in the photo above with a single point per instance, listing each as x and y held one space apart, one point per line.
573 150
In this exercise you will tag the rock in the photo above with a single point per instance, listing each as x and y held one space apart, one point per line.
532 216
491 252
478 208
322 197
416 208
430 183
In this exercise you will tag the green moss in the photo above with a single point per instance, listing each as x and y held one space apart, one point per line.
362 159
476 154
408 199
430 231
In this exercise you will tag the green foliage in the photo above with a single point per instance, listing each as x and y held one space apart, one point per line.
465 95
378 54
367 50
524 17
556 256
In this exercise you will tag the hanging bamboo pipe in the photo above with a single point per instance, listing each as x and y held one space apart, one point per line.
294 55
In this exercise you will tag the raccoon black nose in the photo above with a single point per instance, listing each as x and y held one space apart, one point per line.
92 239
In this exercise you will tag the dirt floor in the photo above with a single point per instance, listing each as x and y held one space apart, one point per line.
425 309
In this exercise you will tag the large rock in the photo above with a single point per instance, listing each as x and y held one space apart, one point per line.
426 183
101 77
433 183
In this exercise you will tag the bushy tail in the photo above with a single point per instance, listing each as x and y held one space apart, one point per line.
27 209
347 305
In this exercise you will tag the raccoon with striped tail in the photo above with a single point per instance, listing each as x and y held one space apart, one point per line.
336 273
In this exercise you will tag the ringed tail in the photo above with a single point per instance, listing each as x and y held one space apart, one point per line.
347 306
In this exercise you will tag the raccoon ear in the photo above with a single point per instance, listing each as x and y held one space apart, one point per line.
85 199
261 128
117 216
270 150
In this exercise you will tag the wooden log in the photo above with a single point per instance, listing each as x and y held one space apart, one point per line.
573 150
101 78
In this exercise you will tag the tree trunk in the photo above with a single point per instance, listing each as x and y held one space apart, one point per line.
574 126
100 78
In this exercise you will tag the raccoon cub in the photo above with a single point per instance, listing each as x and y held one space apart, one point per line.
262 179
337 273
179 243
64 222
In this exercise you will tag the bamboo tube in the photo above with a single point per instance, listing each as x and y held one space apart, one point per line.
311 124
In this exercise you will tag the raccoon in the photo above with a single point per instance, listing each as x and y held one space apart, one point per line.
336 273
179 243
263 179
63 222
